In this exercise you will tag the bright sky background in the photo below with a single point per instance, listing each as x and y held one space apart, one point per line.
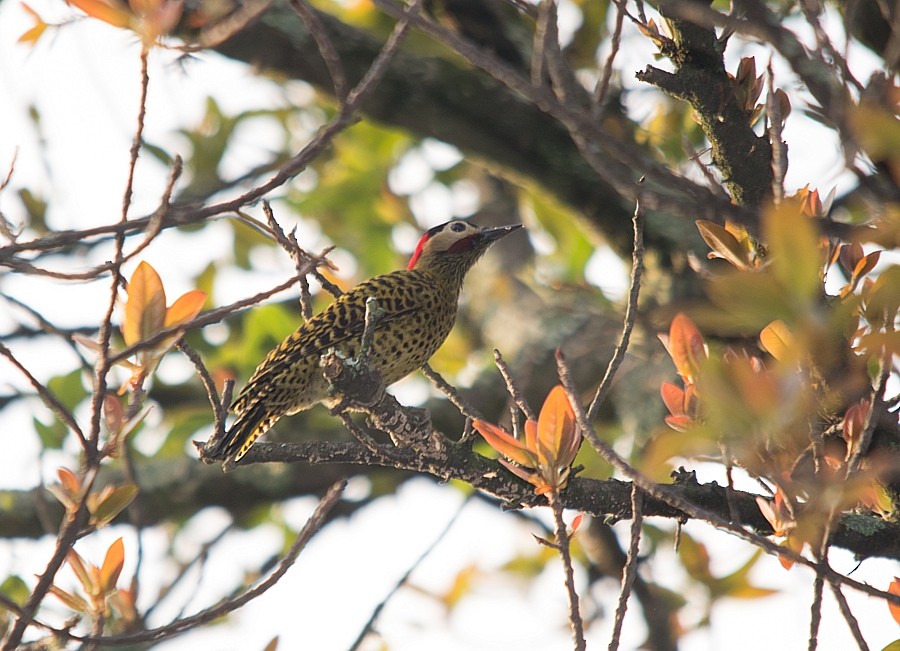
84 82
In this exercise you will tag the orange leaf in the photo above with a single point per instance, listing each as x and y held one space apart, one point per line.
673 398
68 481
145 310
894 589
686 347
112 566
576 522
504 443
113 414
115 16
556 428
185 308
854 422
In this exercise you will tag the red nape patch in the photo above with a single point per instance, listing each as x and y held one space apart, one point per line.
418 251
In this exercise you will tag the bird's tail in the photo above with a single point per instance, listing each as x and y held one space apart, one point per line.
251 423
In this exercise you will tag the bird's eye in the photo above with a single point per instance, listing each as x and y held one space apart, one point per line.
458 227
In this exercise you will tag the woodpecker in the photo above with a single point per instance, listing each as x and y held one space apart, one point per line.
419 306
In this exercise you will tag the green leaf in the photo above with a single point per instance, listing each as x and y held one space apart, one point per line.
573 248
796 259
15 589
117 501
52 435
737 584
68 389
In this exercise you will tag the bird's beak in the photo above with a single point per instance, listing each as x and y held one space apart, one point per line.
493 234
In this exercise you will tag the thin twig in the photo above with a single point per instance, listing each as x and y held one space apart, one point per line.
220 412
376 613
637 268
541 44
183 572
876 397
312 526
511 387
776 122
380 65
360 434
564 547
629 572
457 400
326 48
47 396
852 622
815 617
601 90
298 255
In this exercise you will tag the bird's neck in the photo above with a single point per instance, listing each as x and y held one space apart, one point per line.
448 272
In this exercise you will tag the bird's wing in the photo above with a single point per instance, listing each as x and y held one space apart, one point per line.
342 321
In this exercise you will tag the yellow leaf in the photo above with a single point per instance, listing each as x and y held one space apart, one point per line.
185 308
71 601
32 35
776 338
81 571
112 566
145 309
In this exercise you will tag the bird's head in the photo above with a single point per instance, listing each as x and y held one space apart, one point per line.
456 246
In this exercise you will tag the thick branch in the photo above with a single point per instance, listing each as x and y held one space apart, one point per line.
743 158
865 535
